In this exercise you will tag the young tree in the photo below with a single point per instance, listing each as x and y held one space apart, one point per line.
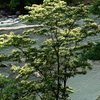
58 58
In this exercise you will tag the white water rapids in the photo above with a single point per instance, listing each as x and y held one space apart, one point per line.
86 87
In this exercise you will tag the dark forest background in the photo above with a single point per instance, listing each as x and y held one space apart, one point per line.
16 5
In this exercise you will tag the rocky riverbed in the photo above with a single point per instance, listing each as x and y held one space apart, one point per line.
8 17
6 12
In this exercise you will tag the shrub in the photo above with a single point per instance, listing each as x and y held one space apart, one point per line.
95 9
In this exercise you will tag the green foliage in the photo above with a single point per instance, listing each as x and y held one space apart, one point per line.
8 89
94 53
58 58
95 9
15 4
18 4
98 98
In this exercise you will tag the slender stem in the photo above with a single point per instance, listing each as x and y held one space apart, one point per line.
57 54
58 75
65 83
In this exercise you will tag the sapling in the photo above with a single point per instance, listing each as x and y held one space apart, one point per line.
59 57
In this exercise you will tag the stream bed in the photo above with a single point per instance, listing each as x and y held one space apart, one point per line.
86 87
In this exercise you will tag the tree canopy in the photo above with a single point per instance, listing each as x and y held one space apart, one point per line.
57 59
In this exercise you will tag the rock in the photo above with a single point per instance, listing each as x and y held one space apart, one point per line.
18 12
3 65
9 16
1 22
5 12
71 4
88 3
14 16
2 12
8 11
88 6
1 16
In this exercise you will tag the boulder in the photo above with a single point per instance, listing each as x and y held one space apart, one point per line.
1 16
14 16
8 11
87 3
1 22
5 12
18 12
2 12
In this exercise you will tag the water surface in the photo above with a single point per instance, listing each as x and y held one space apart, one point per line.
86 87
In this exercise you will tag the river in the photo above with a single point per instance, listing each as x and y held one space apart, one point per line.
86 87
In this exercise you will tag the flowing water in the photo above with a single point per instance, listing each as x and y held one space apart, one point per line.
86 87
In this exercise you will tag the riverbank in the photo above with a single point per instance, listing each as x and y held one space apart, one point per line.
8 13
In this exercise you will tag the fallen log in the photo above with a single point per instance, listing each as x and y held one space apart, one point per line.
19 27
3 65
